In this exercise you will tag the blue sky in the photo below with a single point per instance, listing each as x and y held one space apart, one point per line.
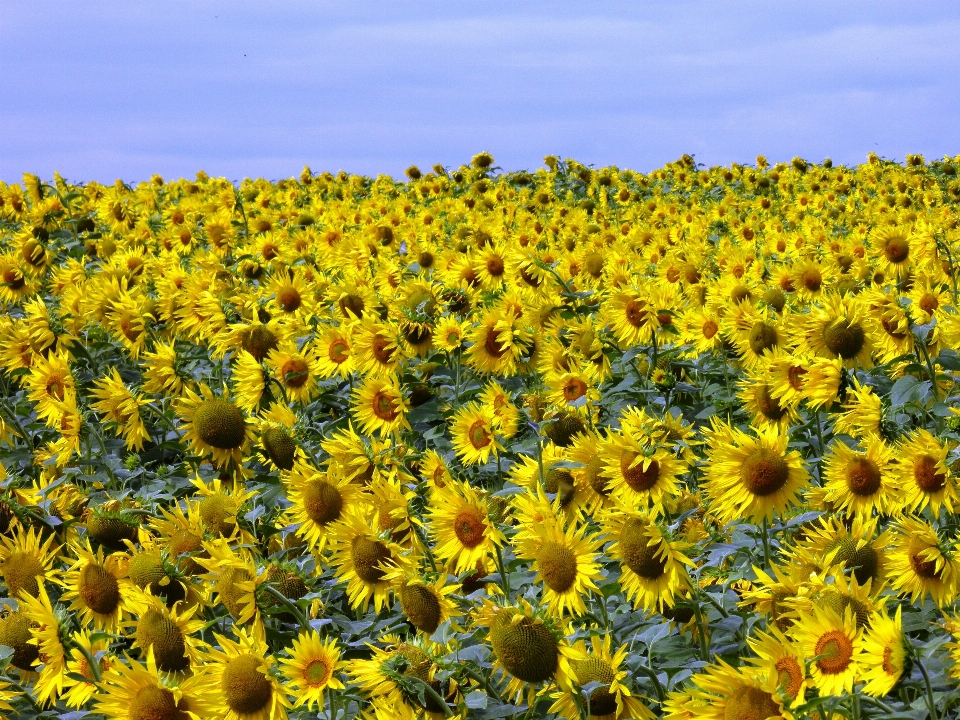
99 90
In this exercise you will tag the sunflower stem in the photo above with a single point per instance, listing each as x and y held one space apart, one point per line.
93 664
652 674
503 573
702 633
931 704
765 529
484 681
294 609
816 416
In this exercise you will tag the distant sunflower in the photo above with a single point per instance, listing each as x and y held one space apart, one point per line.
751 477
566 564
652 563
362 559
860 483
473 434
318 499
334 352
461 526
214 426
241 672
640 475
119 405
296 370
379 404
312 668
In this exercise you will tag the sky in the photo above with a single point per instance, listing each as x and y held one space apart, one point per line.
105 89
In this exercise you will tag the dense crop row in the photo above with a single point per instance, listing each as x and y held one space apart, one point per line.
572 443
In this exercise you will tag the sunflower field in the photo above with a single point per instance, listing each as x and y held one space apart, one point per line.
573 443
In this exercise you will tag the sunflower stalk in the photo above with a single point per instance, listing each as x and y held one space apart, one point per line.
294 609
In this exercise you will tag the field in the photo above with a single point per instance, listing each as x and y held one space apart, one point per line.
577 442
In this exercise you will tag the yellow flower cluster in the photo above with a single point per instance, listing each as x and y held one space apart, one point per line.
569 443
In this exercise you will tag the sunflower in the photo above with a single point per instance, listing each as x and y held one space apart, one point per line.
641 475
291 296
784 372
833 545
333 352
651 561
838 329
379 404
592 473
612 700
822 381
757 396
218 507
862 412
241 672
884 656
566 564
47 627
249 381
166 633
836 646
99 592
184 535
434 470
362 558
506 415
783 662
318 499
860 483
449 334
528 647
51 386
26 560
214 426
119 405
133 690
920 565
383 679
633 318
461 526
235 579
473 434
296 370
161 373
776 595
378 348
751 477
425 602
79 683
499 342
311 668
721 692
925 478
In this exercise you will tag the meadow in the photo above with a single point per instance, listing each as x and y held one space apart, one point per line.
576 442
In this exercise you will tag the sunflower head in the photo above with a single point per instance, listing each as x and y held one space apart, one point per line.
15 633
279 447
158 631
524 646
220 423
421 605
112 528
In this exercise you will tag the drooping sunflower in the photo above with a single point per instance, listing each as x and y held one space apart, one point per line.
919 563
78 692
312 668
97 588
528 647
379 404
925 478
424 601
651 561
835 643
334 352
134 690
26 560
246 689
235 578
751 477
214 426
250 382
318 499
166 633
473 434
721 692
612 700
362 558
860 483
47 626
379 680
884 656
862 414
461 526
566 564
119 405
822 381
